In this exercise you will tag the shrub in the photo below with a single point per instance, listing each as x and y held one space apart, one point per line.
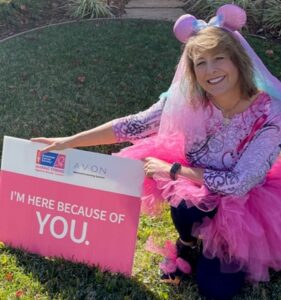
201 9
206 8
89 8
272 17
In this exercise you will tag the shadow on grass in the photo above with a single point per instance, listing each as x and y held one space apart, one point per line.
63 279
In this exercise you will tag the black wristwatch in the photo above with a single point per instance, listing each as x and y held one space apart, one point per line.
174 170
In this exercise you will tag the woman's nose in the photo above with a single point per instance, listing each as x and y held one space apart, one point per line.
211 68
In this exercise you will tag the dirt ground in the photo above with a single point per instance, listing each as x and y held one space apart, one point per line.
55 11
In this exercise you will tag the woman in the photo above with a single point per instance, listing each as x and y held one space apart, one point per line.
210 146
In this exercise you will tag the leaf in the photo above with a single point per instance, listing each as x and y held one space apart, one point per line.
23 7
81 79
19 293
9 276
269 52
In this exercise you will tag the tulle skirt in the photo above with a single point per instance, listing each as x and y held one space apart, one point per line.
245 233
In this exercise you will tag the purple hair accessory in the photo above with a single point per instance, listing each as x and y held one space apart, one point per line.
185 27
234 17
228 16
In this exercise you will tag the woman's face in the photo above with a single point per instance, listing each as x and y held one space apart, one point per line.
216 73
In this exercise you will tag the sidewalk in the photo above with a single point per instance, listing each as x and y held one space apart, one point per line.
154 9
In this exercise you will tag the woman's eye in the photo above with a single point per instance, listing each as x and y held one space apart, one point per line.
199 63
219 57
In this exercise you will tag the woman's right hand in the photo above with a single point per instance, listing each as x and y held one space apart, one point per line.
101 135
59 143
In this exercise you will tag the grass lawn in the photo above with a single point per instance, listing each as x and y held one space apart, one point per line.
68 78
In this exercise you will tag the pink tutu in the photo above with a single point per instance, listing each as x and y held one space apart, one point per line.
245 233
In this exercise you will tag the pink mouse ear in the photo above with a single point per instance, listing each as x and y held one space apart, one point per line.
184 27
234 17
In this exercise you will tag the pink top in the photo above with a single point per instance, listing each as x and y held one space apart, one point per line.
236 156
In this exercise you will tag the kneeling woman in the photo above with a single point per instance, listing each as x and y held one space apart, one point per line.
210 146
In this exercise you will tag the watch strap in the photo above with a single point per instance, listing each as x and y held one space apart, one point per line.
174 170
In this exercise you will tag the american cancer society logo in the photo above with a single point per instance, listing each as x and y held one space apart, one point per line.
50 162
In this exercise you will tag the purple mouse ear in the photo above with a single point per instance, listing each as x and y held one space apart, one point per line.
234 17
184 27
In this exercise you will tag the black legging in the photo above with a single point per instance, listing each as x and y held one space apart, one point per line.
184 218
212 283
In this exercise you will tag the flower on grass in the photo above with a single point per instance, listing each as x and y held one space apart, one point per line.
19 293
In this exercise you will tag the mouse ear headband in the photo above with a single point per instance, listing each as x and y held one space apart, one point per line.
229 16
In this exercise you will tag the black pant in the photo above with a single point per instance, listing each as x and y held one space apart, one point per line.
184 218
212 283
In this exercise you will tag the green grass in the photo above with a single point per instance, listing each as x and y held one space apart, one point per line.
125 70
64 79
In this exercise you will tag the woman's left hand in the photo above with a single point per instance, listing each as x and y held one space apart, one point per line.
153 165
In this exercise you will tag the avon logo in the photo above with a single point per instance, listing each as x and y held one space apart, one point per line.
89 170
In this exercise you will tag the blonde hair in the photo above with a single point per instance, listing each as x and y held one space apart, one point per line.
218 40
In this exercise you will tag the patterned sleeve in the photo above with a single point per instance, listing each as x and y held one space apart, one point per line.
252 166
140 125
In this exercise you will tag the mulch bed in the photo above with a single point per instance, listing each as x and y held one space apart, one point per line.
55 11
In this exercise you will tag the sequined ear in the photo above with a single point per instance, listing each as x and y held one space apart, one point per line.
233 17
185 27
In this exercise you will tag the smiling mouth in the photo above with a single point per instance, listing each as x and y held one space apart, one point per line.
216 80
